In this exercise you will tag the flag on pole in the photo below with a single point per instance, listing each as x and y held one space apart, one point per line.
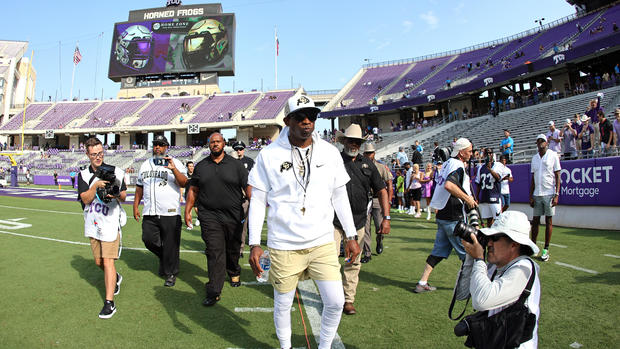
277 45
77 56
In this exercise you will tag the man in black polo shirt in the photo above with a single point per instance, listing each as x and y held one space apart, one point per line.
365 180
218 183
247 162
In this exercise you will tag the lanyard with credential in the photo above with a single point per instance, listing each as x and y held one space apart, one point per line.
304 171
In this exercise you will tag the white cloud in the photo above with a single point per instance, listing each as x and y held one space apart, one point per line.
407 25
384 45
430 19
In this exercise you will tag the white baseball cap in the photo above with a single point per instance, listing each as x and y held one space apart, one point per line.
459 145
514 224
551 123
541 136
300 103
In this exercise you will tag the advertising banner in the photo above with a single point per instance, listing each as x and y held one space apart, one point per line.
588 182
173 45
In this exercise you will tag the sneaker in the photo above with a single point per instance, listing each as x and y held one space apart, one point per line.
417 215
108 310
197 222
423 288
119 279
545 255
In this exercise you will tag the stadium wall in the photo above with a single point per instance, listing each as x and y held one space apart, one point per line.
586 217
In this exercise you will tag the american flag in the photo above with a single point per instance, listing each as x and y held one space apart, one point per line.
277 45
77 56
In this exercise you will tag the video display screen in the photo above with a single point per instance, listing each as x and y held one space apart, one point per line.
174 45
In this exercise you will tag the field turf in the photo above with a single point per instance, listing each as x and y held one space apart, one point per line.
51 291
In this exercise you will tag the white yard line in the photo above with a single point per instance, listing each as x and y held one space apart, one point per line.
611 255
577 268
255 310
81 243
40 210
314 307
552 244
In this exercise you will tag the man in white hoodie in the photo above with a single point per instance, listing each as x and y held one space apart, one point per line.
303 179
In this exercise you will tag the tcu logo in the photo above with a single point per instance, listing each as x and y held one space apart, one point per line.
303 100
374 108
488 81
99 208
430 98
558 58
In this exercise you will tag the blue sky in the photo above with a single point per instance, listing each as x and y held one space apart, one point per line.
322 43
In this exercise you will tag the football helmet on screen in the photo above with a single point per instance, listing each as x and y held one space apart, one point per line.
206 43
134 47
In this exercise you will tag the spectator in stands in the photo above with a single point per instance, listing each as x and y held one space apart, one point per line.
554 137
586 137
544 190
427 185
506 178
419 146
576 124
401 157
616 126
569 135
452 196
219 185
592 112
416 156
375 213
606 131
160 180
507 146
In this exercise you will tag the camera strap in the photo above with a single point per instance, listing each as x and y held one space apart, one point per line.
453 301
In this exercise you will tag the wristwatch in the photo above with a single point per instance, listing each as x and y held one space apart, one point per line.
387 217
349 238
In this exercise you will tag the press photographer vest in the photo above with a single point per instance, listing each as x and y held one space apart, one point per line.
102 221
441 195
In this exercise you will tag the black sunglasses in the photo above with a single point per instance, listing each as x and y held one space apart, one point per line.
355 141
301 116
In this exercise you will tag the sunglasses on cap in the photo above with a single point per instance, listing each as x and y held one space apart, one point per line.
301 116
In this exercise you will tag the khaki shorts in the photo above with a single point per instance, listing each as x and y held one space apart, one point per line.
317 263
542 206
106 249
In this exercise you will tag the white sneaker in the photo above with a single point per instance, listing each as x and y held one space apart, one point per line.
417 215
197 222
428 215
190 227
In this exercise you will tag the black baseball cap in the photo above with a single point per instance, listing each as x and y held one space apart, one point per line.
160 140
238 145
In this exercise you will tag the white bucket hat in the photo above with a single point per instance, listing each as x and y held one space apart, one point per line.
460 144
353 131
514 224
300 103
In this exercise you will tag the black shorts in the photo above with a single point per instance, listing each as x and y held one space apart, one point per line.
416 194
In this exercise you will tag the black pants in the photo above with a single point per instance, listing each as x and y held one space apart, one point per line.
223 240
162 236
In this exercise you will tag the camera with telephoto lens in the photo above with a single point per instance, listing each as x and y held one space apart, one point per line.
464 230
106 173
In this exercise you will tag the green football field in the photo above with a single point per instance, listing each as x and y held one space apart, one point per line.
52 292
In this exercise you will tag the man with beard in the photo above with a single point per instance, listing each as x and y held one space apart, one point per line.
219 184
160 180
365 180
303 179
544 190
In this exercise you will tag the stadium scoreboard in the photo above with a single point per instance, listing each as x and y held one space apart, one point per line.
174 40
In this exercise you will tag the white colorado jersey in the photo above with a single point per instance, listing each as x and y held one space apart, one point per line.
161 192
102 221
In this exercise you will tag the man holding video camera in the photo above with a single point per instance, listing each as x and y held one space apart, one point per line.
504 284
101 190
452 198
160 180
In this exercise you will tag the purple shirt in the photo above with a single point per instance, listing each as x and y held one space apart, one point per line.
593 113
554 145
617 131
586 138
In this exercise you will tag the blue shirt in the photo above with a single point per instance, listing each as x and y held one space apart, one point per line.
504 142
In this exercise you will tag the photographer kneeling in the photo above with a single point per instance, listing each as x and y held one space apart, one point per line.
501 285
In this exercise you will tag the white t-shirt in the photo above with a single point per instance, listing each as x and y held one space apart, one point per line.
503 172
543 169
102 221
288 228
161 192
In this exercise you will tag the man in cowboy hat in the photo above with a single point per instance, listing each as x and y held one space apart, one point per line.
365 180
303 178
386 176
501 281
